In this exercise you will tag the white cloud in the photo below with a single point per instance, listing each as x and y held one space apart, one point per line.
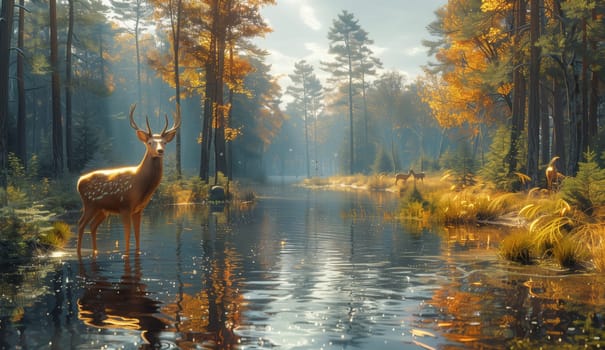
307 14
415 51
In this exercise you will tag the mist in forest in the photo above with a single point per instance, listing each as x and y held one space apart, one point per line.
236 118
73 69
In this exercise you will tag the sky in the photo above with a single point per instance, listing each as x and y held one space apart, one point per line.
300 31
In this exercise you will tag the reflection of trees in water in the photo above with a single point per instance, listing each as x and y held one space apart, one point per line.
204 313
120 305
210 315
504 308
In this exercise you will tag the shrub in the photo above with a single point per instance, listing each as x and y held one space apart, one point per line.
496 168
570 253
57 235
585 190
518 247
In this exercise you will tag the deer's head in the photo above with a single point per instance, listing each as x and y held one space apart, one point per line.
155 143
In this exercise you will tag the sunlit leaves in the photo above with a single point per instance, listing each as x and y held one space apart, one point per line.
464 88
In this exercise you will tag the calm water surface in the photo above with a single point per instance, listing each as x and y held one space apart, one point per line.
299 269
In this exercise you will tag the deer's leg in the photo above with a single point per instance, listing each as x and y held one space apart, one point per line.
96 221
87 215
136 218
126 221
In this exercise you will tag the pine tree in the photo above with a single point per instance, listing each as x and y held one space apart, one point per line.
307 92
585 190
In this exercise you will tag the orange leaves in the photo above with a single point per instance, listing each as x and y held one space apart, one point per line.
467 86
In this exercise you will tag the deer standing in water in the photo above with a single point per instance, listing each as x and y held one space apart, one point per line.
125 191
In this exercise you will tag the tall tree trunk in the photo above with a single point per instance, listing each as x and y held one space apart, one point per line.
220 149
138 53
21 113
584 89
68 90
545 153
593 104
176 33
351 133
207 123
364 100
518 105
57 128
533 122
6 30
308 160
219 133
558 120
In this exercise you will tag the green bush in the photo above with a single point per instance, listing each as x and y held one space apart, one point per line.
585 190
57 235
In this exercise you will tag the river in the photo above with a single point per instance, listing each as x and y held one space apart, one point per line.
298 269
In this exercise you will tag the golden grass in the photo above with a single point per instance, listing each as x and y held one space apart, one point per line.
554 229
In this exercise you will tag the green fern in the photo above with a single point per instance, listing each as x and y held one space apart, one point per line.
585 190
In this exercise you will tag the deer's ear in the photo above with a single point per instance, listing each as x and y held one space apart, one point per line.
170 135
142 135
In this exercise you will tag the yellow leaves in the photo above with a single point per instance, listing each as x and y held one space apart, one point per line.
232 133
496 5
462 94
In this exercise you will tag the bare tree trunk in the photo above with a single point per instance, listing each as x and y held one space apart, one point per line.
21 113
545 153
533 122
518 105
57 128
68 89
6 30
176 33
351 133
593 104
558 122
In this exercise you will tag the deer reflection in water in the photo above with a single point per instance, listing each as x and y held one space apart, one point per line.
120 305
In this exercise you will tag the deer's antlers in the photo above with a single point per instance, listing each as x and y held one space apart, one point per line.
177 121
176 125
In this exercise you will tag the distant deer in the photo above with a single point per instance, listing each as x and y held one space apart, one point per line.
553 176
401 176
418 176
125 191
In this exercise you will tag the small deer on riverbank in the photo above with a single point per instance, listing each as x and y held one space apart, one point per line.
418 176
553 176
402 176
125 191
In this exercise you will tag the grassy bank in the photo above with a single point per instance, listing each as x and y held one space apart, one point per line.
563 227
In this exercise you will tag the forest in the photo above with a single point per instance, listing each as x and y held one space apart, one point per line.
509 85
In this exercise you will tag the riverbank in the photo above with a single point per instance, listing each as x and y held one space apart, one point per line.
553 227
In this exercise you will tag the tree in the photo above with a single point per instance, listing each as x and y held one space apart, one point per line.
346 37
533 123
368 64
306 91
21 112
125 11
57 126
68 89
173 11
6 30
468 88
257 118
519 86
222 24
